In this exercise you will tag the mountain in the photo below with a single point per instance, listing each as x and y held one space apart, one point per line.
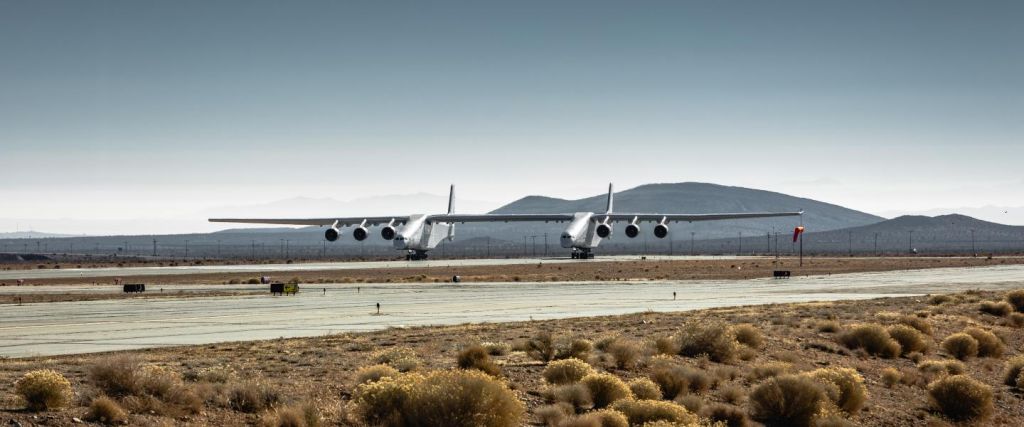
1013 215
32 235
943 233
696 197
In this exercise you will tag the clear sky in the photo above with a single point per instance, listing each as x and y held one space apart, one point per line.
163 110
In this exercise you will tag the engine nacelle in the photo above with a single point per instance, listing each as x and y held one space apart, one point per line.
632 230
332 234
360 233
660 231
604 230
388 233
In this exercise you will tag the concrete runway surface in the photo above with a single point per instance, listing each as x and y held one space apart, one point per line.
12 275
93 326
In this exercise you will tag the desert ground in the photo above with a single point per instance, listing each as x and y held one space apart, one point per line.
727 360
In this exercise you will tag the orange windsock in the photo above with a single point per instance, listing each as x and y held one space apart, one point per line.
797 232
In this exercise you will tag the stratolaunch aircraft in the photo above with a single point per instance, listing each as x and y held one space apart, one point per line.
419 233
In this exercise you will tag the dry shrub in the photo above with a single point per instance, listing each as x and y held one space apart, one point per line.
788 400
610 418
873 338
828 326
541 347
220 374
105 410
117 375
605 389
770 369
940 299
292 416
933 369
733 394
989 345
576 396
644 388
996 308
578 348
373 373
727 415
666 345
639 412
626 353
252 396
43 389
496 348
1016 299
566 371
910 339
1014 367
961 398
553 415
960 345
834 421
916 322
843 386
678 380
477 357
1016 320
691 402
401 358
891 376
456 398
715 339
748 335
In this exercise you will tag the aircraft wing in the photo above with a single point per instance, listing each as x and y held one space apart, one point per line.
341 221
461 218
644 217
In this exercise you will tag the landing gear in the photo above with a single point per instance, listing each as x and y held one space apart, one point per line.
582 253
416 255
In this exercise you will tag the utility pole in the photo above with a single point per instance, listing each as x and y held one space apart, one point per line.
910 242
524 246
876 243
126 247
776 244
851 243
691 242
252 251
534 245
974 250
287 249
488 246
154 247
740 251
545 245
218 248
186 248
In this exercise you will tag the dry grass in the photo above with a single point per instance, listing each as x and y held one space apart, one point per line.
989 345
873 338
477 357
769 370
401 358
644 388
1013 370
640 412
43 389
1016 299
749 335
960 345
252 396
105 410
996 308
917 322
566 371
727 415
450 398
789 400
292 416
576 396
715 339
374 373
625 352
910 339
891 377
961 398
606 389
844 387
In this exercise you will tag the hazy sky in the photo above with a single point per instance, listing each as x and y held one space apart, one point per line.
161 110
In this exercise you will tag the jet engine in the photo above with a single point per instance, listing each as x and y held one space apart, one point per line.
632 230
604 230
388 232
332 234
661 230
360 233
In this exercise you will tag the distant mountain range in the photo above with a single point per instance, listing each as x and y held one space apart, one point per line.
830 229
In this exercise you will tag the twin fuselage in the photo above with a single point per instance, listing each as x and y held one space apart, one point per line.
585 231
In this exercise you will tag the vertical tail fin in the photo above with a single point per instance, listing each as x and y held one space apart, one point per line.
451 199
611 198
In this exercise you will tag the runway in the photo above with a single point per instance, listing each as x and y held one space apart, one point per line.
93 326
13 275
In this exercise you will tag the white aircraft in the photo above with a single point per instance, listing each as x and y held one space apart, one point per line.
420 233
